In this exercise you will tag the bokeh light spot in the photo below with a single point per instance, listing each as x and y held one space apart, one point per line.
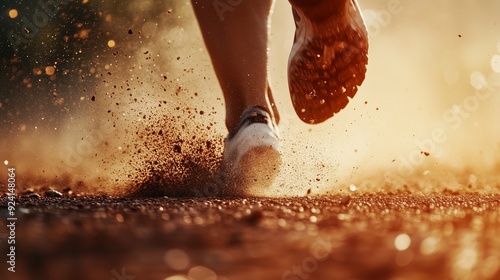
495 63
177 277
466 259
478 80
50 70
402 242
111 43
429 245
177 259
202 273
13 13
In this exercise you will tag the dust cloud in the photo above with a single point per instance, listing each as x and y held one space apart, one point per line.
134 105
140 112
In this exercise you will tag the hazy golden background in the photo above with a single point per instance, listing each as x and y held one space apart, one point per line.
425 59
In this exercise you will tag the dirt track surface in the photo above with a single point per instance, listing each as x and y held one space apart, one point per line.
370 236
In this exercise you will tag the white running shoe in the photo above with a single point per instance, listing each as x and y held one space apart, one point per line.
252 154
328 58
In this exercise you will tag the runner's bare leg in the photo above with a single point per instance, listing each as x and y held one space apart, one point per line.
237 41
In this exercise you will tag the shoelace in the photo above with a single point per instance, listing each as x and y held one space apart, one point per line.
250 116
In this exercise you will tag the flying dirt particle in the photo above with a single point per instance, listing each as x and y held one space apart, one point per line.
92 98
253 218
459 36
178 57
345 200
177 149
425 153
130 31
309 191
202 112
